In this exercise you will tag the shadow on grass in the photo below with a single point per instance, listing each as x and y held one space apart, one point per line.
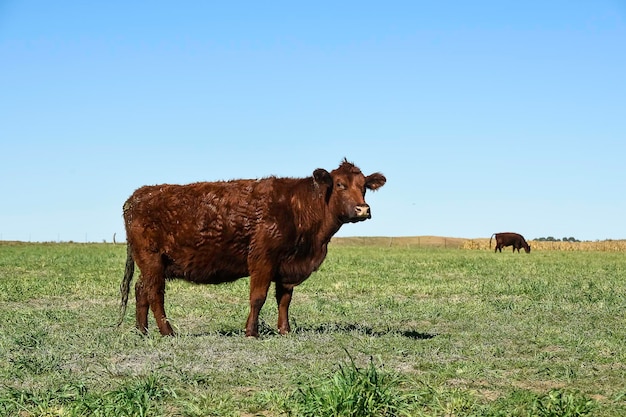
412 334
366 330
327 328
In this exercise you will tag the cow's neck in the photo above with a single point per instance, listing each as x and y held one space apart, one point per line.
323 235
314 218
319 229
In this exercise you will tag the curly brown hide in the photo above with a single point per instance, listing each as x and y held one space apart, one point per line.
271 229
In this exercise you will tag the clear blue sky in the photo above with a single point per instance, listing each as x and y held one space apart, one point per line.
485 116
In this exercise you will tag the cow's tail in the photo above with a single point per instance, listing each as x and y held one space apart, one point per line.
490 240
125 285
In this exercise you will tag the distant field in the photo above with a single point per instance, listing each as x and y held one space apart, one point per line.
441 332
480 243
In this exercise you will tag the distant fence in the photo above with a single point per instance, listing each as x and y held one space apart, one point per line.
402 241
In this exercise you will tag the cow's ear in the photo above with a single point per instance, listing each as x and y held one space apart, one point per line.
322 177
375 181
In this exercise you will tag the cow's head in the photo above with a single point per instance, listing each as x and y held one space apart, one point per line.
346 188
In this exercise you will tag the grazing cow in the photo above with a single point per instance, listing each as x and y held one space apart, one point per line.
271 229
509 239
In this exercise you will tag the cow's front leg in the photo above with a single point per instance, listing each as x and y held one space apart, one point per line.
259 285
283 298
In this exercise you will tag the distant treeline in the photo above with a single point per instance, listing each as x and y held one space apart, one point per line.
552 239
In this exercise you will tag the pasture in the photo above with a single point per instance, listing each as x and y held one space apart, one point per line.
414 330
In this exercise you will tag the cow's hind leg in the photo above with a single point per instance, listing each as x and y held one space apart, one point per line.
142 305
283 298
151 297
156 298
150 291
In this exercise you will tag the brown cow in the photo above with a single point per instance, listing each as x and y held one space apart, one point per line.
271 229
509 239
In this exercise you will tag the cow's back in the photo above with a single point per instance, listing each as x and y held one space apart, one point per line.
508 238
186 211
202 230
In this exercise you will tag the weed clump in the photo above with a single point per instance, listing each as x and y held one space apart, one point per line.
354 392
563 403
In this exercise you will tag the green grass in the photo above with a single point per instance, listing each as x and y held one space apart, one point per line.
353 392
378 330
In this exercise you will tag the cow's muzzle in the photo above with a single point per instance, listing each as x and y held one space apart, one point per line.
361 212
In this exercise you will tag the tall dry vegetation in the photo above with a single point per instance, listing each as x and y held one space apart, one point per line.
597 246
477 244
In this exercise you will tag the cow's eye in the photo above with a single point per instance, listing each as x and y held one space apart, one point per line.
341 186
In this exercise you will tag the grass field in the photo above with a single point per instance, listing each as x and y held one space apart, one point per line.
380 330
